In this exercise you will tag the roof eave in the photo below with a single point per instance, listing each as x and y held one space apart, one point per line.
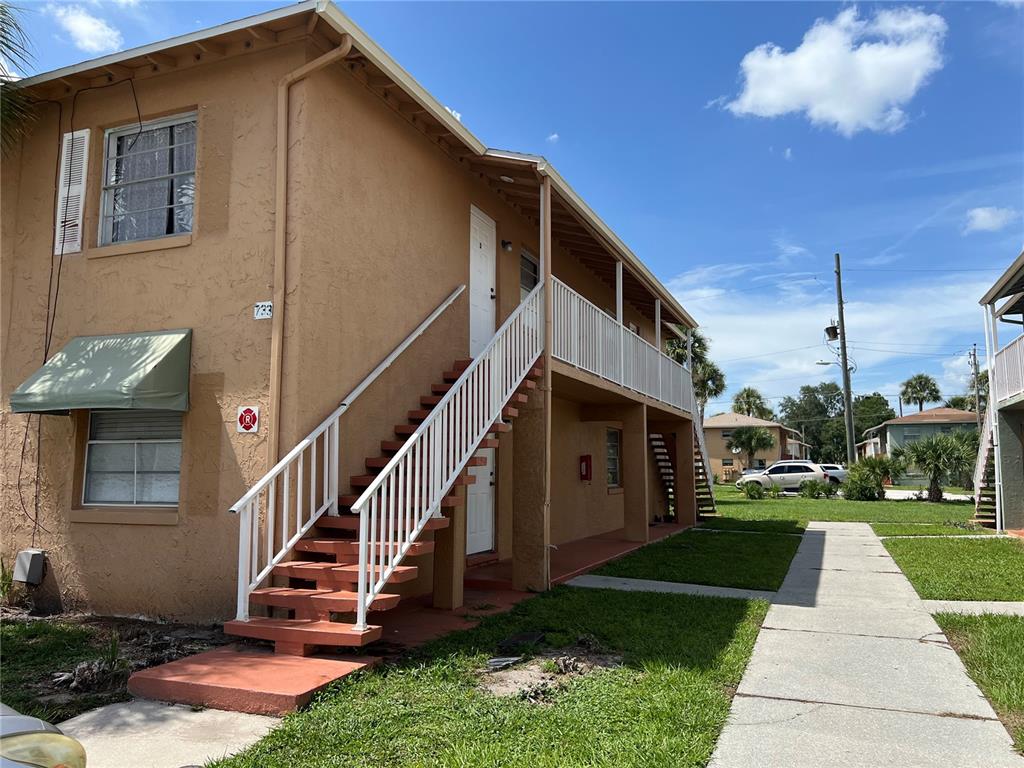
997 290
204 34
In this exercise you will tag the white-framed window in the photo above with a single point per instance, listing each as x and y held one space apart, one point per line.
149 180
613 440
133 458
726 433
529 273
726 462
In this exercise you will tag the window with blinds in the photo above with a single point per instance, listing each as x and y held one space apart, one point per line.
149 180
133 458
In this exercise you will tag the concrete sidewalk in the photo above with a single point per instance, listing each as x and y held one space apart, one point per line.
151 734
850 669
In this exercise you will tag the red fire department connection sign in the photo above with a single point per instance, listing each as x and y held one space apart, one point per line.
248 418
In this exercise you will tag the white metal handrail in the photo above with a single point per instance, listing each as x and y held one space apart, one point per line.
589 338
400 501
1008 380
293 494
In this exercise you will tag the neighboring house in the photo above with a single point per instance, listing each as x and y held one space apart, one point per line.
728 465
882 438
300 253
999 474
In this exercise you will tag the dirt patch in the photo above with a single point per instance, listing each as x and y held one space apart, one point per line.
62 684
537 678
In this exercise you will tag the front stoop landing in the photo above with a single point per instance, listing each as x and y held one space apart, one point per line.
244 679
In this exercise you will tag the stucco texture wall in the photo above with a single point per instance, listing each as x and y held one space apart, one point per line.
187 569
717 452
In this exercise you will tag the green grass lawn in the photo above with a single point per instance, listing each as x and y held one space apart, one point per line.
31 652
733 504
665 705
962 569
990 647
725 559
929 529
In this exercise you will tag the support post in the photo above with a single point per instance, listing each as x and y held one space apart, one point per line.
450 558
635 453
618 319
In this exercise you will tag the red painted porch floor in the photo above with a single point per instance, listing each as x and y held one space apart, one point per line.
251 678
571 559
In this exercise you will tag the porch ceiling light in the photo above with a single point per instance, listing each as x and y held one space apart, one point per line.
507 179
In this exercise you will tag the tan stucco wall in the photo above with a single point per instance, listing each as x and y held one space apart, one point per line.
186 569
378 223
717 451
580 509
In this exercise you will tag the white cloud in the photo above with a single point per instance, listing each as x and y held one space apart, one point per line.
552 138
89 33
788 154
453 113
850 74
989 219
769 334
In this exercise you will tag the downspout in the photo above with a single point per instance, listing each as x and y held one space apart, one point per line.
281 236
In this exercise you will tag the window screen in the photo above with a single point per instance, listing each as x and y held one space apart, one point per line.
614 445
133 458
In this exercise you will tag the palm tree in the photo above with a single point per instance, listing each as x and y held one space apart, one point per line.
750 440
939 456
920 388
752 403
708 378
16 109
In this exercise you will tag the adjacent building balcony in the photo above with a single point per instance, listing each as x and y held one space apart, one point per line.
1008 376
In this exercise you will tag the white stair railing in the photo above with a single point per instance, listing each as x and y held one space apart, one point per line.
288 500
400 501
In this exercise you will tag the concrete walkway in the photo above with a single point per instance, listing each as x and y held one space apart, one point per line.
850 669
647 585
150 734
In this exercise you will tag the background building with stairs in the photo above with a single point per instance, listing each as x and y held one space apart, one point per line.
999 472
250 408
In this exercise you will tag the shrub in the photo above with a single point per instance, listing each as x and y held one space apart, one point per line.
868 476
753 490
817 489
773 492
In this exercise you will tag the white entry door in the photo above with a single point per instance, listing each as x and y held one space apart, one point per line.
483 249
480 506
482 254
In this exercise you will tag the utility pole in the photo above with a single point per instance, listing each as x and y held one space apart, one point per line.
851 451
977 388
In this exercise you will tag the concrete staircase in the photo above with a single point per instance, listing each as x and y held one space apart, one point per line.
312 603
985 485
702 481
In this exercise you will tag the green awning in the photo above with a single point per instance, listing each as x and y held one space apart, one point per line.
124 370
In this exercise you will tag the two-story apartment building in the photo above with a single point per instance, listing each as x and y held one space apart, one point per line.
283 340
882 438
999 473
728 464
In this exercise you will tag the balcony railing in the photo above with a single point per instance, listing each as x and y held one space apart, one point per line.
590 339
1009 370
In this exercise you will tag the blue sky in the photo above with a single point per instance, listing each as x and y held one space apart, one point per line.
735 147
